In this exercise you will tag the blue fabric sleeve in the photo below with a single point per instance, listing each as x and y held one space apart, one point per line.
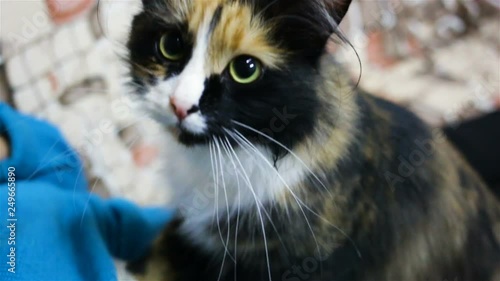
38 151
58 237
56 230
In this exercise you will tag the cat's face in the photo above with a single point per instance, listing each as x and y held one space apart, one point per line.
206 65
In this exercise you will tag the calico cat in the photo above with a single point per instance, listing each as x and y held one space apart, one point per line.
283 169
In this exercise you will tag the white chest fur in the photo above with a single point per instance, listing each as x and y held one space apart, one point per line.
211 180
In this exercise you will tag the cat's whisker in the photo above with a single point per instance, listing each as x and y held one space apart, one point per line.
244 141
299 202
217 185
219 152
216 206
259 211
293 154
242 146
225 145
211 162
341 231
228 222
216 191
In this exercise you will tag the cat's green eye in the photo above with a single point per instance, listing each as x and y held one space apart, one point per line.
171 46
245 69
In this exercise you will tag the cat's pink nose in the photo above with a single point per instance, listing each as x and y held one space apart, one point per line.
182 110
179 110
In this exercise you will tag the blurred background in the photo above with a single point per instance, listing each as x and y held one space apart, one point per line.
60 60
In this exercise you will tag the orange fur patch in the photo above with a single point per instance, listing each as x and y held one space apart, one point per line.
201 12
238 32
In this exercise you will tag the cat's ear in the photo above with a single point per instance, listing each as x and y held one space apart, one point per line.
336 8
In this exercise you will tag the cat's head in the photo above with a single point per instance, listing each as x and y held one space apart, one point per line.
205 66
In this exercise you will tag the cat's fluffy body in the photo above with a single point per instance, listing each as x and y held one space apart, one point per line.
298 176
